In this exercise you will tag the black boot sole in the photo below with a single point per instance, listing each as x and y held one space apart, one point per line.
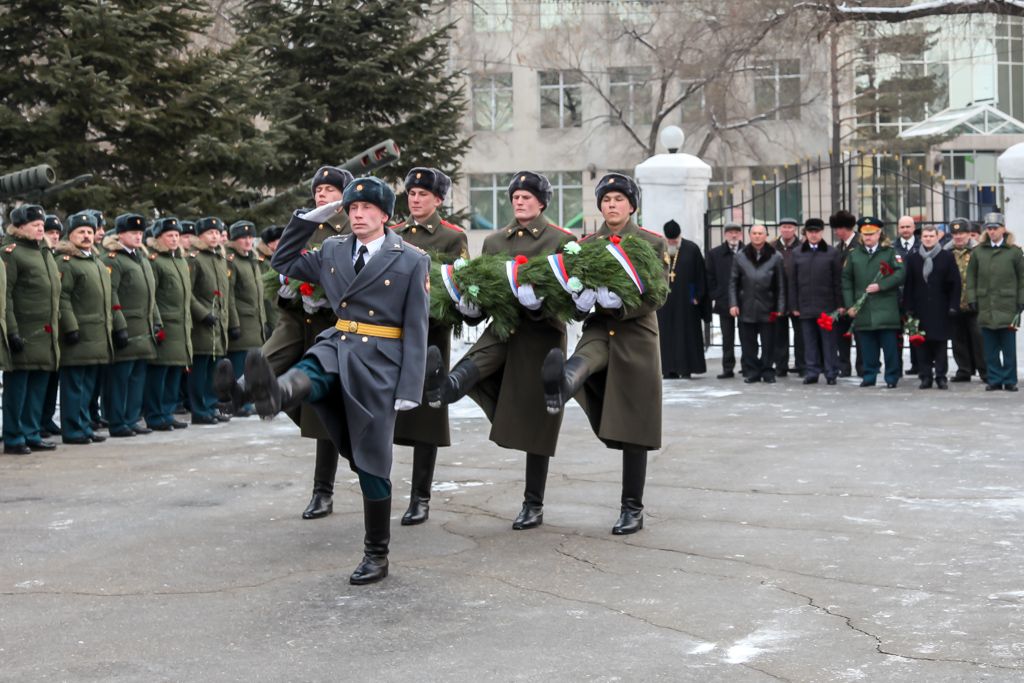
552 373
262 384
224 380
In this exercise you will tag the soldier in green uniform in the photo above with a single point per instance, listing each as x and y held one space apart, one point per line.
53 229
96 411
615 372
136 320
86 323
31 329
210 318
502 376
248 313
188 233
265 247
424 428
173 286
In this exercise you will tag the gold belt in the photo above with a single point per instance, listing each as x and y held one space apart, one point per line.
369 330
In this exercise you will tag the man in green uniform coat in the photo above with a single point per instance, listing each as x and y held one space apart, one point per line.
617 362
31 329
248 314
96 411
53 229
502 376
424 428
210 318
874 270
136 321
265 247
86 323
173 286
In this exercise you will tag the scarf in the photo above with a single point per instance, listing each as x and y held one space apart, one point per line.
928 255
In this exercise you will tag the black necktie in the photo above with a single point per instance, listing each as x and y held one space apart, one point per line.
360 259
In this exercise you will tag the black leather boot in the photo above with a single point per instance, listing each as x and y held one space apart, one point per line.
377 522
634 474
423 458
228 389
322 502
532 514
441 389
562 379
273 394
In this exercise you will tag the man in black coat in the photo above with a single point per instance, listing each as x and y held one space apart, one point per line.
680 320
719 269
844 228
815 288
757 296
931 294
787 245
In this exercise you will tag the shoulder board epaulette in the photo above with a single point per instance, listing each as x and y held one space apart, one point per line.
558 227
651 232
9 248
152 257
452 226
112 254
414 248
193 254
67 257
398 226
231 257
588 237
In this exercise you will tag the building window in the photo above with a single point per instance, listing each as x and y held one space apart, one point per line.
492 102
489 205
566 207
777 194
560 96
629 89
492 15
1010 65
692 108
777 89
555 13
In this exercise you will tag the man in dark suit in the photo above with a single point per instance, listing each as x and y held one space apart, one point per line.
719 270
371 364
844 228
907 243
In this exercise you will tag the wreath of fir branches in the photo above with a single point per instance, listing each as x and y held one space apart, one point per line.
595 267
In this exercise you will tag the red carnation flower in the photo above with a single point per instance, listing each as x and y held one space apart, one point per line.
773 316
886 268
520 260
47 329
216 292
615 239
916 339
116 307
306 289
825 322
847 335
287 280
161 335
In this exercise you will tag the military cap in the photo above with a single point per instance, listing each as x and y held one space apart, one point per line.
959 225
101 221
371 190
814 224
730 226
842 219
187 227
129 222
208 223
242 229
331 175
82 219
789 221
165 224
869 224
672 230
429 179
994 220
52 223
27 213
617 182
271 233
534 183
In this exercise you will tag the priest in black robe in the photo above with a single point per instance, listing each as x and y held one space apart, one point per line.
681 320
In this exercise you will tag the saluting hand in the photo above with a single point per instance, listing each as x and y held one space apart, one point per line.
322 213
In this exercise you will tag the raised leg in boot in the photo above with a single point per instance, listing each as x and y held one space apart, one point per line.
532 514
228 389
377 523
273 394
562 379
322 502
634 474
443 388
423 458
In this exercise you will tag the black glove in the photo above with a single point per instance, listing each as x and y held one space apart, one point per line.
71 338
210 320
120 339
972 307
16 343
234 333
268 330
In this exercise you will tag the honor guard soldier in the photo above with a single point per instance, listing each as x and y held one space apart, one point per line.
96 411
265 247
615 372
425 428
136 321
53 230
31 329
370 364
173 286
86 323
247 312
501 376
210 291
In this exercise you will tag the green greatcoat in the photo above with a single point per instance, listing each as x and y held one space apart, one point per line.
5 349
33 274
297 330
513 397
210 292
445 242
995 282
173 299
263 255
85 307
246 300
881 310
133 297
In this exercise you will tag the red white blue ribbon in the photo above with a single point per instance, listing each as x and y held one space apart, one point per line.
557 264
620 255
449 283
512 272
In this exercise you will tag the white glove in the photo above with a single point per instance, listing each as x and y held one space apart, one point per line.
404 404
468 308
528 298
286 292
585 299
322 213
607 299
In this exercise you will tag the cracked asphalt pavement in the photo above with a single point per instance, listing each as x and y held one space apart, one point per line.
792 533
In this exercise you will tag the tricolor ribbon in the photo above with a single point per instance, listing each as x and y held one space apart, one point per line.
620 255
512 272
557 264
449 282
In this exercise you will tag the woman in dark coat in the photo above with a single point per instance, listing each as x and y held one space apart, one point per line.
681 319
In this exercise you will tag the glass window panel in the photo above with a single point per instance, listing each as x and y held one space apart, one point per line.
492 15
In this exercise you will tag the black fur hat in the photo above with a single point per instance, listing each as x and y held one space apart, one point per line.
166 224
814 224
26 213
242 229
371 190
81 219
842 219
52 223
271 233
208 223
127 222
187 227
534 183
429 179
331 175
616 182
